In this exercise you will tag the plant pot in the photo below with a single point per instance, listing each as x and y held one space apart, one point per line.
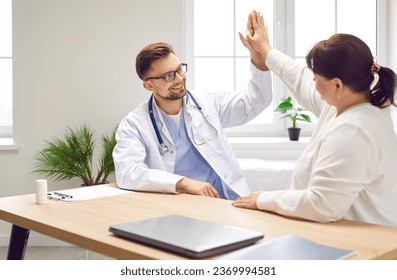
293 133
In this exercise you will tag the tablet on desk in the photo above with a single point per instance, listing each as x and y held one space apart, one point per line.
288 247
187 236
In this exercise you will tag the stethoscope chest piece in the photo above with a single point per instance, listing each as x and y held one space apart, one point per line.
163 148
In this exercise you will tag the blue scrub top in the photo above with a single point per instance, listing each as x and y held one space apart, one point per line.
190 163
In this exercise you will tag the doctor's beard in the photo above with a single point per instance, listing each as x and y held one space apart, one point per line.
177 91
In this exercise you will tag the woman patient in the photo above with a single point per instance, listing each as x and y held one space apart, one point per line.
348 170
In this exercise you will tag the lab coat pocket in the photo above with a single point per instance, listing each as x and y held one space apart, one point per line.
202 129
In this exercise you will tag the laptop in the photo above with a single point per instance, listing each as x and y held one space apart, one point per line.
186 236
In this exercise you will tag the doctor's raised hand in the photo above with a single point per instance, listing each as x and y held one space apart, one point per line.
257 58
256 38
175 141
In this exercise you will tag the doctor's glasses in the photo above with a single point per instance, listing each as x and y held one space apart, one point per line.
170 76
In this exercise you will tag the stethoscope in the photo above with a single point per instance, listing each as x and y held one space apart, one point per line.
163 148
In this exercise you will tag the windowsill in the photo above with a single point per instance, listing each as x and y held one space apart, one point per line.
268 142
268 148
7 144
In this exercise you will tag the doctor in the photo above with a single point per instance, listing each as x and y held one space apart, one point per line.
174 142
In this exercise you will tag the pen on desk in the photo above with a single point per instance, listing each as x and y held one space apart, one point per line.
63 195
49 196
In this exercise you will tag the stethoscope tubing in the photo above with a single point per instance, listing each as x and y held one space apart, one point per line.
163 147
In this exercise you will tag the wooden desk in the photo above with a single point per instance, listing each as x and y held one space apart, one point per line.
86 224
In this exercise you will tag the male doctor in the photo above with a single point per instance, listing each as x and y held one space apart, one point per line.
175 142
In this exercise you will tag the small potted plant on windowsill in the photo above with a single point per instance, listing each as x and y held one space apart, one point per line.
295 114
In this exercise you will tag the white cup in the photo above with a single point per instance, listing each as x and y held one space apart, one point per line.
41 191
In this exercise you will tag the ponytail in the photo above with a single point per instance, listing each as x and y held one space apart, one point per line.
382 94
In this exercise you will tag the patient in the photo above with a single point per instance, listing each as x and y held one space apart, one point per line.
348 170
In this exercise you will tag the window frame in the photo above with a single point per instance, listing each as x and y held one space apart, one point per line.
284 40
6 131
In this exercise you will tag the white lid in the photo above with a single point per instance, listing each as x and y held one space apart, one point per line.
41 183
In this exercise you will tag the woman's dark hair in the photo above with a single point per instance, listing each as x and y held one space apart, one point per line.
348 58
149 54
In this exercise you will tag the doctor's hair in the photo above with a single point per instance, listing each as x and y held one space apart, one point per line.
148 55
348 58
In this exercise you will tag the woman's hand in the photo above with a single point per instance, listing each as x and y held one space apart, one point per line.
247 201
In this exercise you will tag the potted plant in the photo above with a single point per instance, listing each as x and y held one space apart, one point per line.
295 114
71 157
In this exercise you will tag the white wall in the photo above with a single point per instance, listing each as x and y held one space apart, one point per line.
393 47
393 35
74 64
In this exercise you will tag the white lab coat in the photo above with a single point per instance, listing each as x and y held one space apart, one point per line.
138 162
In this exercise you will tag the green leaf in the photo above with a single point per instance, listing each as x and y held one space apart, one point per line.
283 107
305 117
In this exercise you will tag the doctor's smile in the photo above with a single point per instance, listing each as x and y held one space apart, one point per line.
178 87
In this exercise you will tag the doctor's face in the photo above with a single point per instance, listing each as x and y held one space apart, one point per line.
164 69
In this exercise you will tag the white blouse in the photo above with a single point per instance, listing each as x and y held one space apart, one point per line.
349 168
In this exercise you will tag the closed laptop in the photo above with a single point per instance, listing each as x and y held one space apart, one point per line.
187 236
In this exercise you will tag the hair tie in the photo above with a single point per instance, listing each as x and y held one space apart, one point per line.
375 68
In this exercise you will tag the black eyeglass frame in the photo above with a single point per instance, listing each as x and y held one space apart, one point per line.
182 69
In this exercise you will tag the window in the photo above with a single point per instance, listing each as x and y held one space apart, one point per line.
5 68
217 59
